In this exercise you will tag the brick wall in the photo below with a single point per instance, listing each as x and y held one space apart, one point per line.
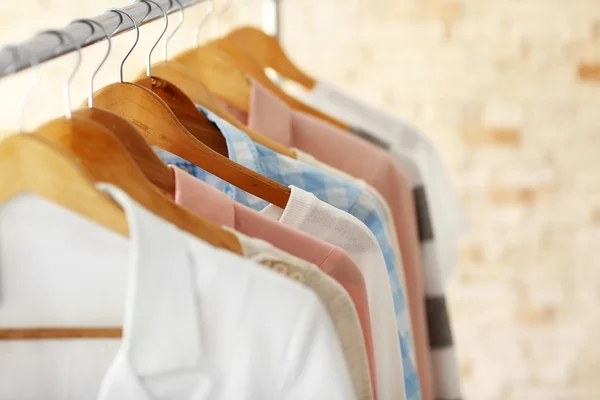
510 92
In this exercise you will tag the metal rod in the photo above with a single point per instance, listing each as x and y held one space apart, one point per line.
271 18
48 47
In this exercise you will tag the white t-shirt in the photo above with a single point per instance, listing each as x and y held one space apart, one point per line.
198 322
310 215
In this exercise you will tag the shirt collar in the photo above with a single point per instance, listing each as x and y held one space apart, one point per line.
203 199
241 148
156 341
285 170
269 115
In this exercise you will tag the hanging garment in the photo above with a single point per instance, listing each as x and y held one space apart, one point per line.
343 195
210 203
446 377
240 330
440 218
448 219
308 214
273 118
336 300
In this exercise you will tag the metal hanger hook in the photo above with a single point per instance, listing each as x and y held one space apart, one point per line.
181 18
91 23
165 27
211 9
67 87
137 36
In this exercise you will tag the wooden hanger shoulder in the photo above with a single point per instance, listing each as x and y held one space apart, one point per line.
145 158
246 63
219 74
160 127
106 160
32 164
267 51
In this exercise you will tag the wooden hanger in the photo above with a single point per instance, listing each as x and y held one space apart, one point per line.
106 160
224 60
267 51
130 137
161 128
167 79
159 125
31 164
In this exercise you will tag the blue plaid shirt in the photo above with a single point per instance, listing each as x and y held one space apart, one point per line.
337 192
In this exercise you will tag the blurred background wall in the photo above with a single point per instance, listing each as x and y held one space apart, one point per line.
506 89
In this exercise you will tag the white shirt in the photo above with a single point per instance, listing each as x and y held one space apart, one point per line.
198 322
310 215
448 220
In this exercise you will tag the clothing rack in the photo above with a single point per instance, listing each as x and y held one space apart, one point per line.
272 17
47 47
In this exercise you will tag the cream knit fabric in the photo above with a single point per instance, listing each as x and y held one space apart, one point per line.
336 300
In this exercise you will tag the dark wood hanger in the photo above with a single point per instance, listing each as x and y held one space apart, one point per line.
130 137
161 128
169 77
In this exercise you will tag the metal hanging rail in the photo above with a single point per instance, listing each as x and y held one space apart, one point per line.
47 47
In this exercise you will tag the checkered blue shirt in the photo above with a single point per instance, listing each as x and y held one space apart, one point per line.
337 192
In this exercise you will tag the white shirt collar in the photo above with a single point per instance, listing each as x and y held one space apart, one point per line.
161 331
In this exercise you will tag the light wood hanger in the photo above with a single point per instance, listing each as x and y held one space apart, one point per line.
106 160
226 62
161 128
146 159
31 164
267 51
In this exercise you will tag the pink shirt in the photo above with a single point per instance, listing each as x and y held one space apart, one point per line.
273 118
210 203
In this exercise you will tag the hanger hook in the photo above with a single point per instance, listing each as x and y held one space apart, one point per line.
166 25
181 18
120 13
222 12
91 23
35 64
211 9
67 88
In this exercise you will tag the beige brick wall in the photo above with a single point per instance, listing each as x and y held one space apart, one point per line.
510 92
